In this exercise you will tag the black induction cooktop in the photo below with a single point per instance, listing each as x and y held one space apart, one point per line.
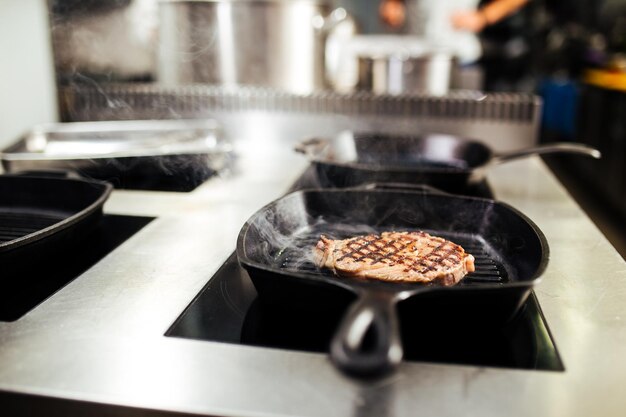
174 174
27 285
228 310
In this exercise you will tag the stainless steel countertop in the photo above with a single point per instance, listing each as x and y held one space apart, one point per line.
101 338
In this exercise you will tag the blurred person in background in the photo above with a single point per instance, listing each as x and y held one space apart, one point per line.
448 23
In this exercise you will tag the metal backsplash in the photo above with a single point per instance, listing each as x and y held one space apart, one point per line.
504 120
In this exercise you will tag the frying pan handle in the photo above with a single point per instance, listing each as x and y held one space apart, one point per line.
373 314
559 147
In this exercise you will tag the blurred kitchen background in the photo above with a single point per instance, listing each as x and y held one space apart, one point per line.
571 53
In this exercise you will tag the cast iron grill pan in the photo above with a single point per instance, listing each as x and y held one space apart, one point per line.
19 223
275 245
39 216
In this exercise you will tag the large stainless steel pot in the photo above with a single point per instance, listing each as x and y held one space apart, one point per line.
272 43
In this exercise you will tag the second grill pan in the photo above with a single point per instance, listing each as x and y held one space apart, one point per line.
39 215
275 247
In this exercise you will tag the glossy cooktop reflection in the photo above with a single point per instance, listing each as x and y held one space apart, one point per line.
152 177
228 310
23 289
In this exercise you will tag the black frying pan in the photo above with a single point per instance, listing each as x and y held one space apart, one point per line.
275 247
444 161
39 214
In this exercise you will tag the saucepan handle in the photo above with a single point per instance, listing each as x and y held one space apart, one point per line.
558 147
311 146
373 314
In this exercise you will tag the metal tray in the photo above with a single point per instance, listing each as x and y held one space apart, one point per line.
89 145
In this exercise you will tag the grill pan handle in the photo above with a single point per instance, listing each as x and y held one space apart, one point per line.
367 341
559 147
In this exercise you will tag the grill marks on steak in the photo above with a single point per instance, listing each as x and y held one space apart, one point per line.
395 256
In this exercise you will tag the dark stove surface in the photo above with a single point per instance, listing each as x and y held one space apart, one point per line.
228 310
175 174
22 290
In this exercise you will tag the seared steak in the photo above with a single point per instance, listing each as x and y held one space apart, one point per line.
396 256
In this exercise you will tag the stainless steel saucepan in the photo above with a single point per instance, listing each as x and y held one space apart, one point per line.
429 72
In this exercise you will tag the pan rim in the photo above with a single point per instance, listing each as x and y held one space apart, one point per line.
381 167
351 285
40 234
398 168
